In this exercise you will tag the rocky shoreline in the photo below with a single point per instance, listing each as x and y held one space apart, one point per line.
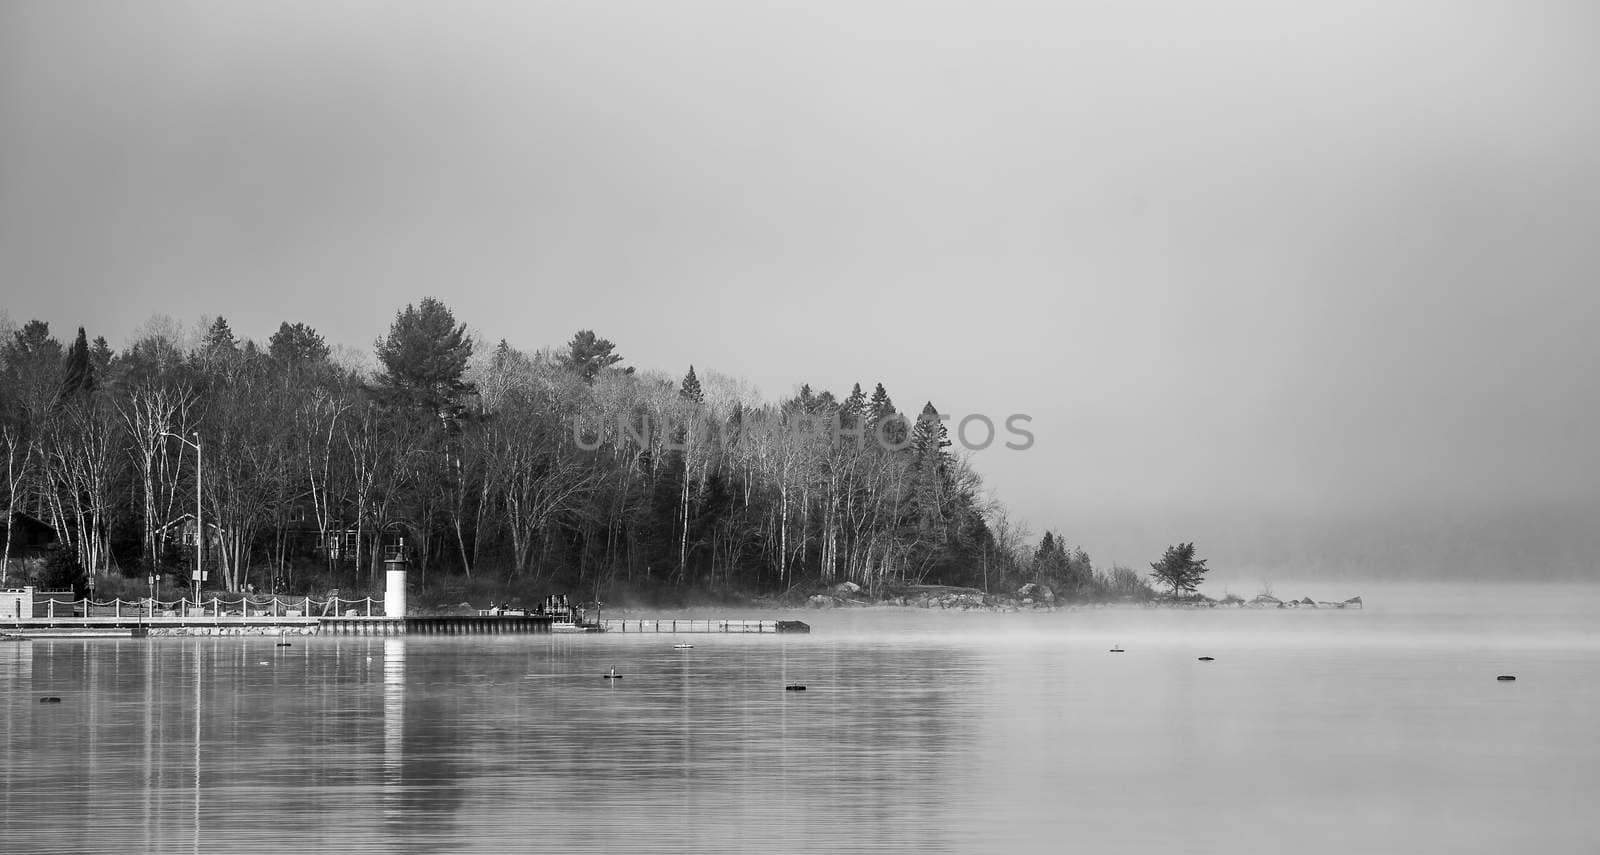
1035 597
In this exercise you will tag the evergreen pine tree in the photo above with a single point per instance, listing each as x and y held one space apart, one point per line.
425 355
854 408
219 339
100 356
1044 555
880 407
79 370
587 355
297 344
930 476
31 346
930 437
690 390
880 410
1179 569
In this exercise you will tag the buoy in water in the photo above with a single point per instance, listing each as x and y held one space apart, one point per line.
284 644
49 700
683 647
794 687
1207 659
1117 649
1506 678
613 675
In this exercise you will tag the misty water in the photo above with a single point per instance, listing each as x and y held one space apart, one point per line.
1330 731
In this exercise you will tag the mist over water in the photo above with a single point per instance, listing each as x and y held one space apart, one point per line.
1383 729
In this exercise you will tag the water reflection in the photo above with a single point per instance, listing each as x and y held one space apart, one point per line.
394 720
922 741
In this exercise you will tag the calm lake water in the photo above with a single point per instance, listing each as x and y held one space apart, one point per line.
1381 730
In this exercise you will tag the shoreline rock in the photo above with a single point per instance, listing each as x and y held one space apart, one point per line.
1038 598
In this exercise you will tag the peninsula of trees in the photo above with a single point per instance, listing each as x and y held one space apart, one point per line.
561 469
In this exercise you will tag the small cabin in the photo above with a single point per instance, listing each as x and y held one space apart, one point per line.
16 603
181 532
29 536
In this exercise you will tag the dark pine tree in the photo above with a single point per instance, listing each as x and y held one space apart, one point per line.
100 356
884 422
930 438
1179 569
930 476
587 355
219 339
854 408
880 407
424 357
32 346
79 377
297 344
690 390
1044 557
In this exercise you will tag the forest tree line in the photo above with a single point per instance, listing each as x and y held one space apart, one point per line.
483 463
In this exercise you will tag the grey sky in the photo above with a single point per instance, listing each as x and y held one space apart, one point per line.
1260 271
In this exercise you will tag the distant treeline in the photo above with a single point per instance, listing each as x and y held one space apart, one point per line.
498 465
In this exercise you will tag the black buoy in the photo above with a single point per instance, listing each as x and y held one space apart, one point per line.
49 700
1506 678
1207 659
613 675
1117 649
284 644
794 687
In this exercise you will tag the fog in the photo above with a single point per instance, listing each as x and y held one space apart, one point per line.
1311 287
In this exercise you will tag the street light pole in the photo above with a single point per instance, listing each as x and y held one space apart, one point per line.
199 509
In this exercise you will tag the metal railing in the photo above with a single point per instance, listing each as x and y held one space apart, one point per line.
216 607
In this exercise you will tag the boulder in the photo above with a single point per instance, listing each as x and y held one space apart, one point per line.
847 588
1308 602
820 601
1353 603
1036 592
1267 600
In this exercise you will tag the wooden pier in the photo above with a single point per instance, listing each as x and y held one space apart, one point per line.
201 624
437 625
111 627
25 612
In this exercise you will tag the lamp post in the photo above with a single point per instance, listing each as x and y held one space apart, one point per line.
199 527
